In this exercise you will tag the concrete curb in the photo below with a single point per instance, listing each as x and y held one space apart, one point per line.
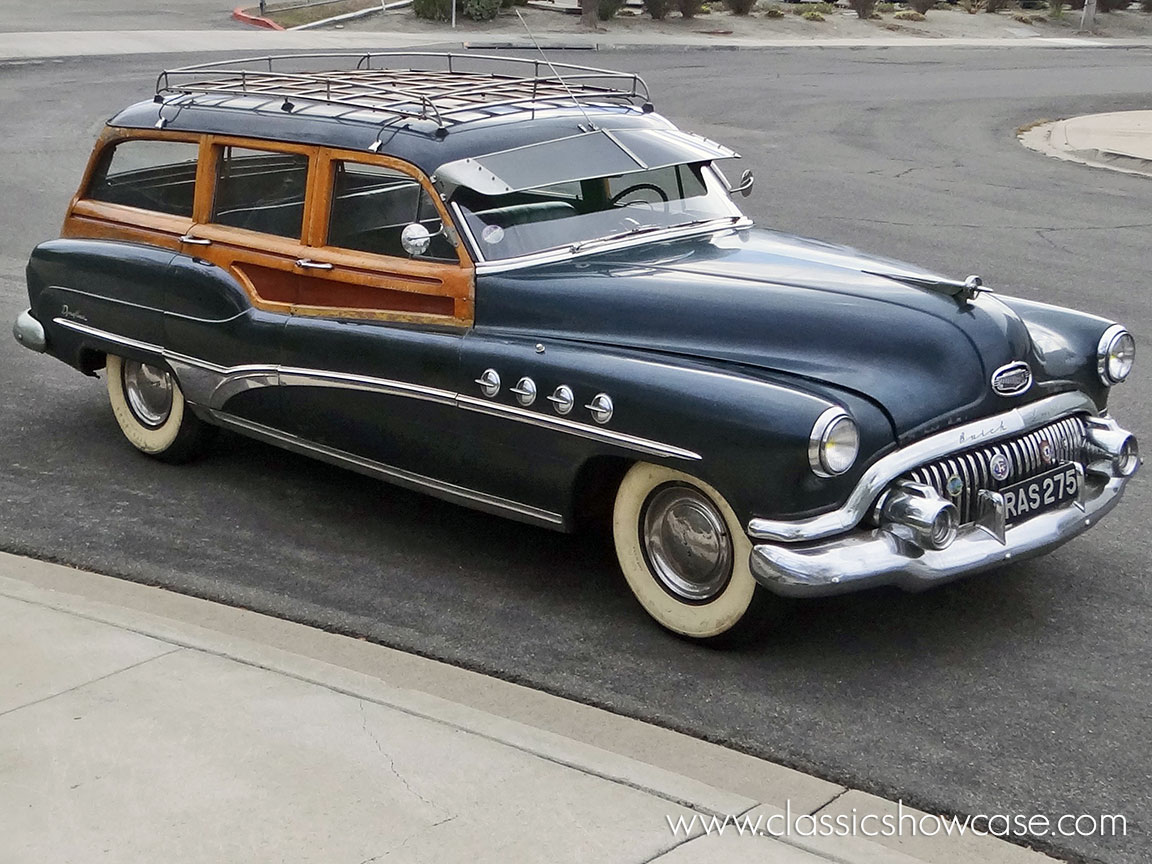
255 20
625 752
1050 139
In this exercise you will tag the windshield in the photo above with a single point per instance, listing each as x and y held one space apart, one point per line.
583 212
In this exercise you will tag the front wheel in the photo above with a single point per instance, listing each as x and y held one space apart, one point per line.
151 411
683 551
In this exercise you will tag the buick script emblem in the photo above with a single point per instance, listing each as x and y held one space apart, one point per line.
999 466
1013 379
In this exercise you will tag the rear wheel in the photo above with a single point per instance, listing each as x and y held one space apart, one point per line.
682 551
151 411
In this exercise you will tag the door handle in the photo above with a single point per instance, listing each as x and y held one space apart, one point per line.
309 264
195 241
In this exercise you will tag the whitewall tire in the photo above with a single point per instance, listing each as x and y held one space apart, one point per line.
682 551
151 411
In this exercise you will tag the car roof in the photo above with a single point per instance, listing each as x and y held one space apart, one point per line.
412 140
425 108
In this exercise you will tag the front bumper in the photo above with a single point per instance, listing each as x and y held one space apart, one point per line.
871 557
29 332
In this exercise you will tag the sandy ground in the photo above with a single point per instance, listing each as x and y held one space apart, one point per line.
840 24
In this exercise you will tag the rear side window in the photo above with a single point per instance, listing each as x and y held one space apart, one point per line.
152 175
261 190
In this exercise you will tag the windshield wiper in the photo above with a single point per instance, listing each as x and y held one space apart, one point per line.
648 229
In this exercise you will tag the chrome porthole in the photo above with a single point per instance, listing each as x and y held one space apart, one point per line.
149 392
563 399
489 383
601 408
686 543
525 391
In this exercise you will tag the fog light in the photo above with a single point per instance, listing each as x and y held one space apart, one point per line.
1128 459
921 514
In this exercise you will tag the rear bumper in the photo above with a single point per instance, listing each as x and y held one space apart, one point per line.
866 558
30 333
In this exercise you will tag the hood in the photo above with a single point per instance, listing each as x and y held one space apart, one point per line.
783 304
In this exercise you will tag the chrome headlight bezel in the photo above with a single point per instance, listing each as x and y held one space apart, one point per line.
1111 366
834 428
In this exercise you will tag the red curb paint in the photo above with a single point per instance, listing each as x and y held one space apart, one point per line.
255 20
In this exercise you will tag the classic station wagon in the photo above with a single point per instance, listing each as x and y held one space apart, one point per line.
515 286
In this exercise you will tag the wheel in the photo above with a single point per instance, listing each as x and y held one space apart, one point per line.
150 409
683 552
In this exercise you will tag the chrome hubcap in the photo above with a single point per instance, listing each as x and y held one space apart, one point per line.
149 392
686 542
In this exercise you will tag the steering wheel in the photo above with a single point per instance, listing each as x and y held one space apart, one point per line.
638 187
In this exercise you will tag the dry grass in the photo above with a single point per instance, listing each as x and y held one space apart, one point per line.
295 17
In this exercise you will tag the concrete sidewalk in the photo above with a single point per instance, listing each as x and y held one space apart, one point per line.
138 725
79 43
1120 141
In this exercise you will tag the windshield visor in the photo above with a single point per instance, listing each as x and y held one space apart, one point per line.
580 212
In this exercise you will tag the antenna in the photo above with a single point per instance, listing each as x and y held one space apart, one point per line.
575 101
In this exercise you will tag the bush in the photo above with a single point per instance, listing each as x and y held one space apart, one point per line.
480 10
743 7
863 8
433 10
773 12
689 8
803 9
885 7
1056 9
658 9
908 15
812 15
921 6
607 9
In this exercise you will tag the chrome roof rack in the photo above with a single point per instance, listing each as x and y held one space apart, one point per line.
448 89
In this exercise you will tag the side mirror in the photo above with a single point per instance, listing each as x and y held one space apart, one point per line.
747 181
415 239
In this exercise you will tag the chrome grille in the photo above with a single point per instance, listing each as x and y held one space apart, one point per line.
1067 437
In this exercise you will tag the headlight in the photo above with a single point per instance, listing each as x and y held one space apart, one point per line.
834 443
1115 355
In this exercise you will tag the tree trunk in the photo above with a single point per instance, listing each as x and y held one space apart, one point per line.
588 14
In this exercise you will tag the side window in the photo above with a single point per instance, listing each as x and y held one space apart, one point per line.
152 175
371 205
261 191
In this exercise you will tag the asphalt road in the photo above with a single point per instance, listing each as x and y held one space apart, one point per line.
1024 691
22 15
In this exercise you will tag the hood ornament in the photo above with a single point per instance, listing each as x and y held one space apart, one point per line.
964 292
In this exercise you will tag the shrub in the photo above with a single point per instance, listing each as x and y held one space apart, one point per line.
908 15
995 5
863 8
743 7
689 8
885 7
480 10
921 6
812 15
1056 9
658 9
972 6
773 12
433 10
608 9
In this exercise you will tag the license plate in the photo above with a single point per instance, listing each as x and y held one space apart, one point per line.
1038 494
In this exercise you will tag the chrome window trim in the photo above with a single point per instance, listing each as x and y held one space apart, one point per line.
211 386
398 476
888 468
565 253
